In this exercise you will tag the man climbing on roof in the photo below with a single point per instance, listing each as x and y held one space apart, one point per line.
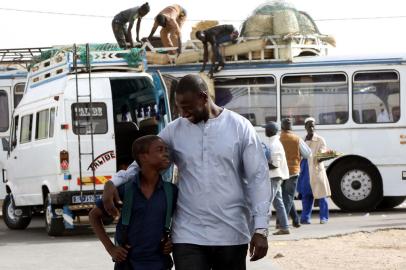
215 36
121 32
171 19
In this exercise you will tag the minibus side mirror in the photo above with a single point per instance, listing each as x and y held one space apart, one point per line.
13 143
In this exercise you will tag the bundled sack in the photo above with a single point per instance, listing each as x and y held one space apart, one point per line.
285 22
157 58
258 26
189 57
306 23
244 47
200 26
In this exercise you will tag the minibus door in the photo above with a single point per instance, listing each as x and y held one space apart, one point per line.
165 93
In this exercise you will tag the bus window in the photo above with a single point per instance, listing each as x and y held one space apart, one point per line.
376 95
18 93
322 96
3 111
26 128
252 97
41 126
81 118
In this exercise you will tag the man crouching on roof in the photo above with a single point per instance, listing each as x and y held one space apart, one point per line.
142 233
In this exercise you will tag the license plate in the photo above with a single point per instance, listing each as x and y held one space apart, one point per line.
85 198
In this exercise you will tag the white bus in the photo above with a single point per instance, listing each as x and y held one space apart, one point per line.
357 104
73 130
12 82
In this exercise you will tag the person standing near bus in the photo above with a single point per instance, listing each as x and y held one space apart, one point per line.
171 19
295 149
313 178
121 32
224 190
278 172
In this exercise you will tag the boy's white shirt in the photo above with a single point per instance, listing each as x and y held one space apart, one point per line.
278 159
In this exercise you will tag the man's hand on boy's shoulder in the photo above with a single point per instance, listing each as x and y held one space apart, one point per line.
111 197
117 253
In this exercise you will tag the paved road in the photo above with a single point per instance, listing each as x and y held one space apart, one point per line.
32 249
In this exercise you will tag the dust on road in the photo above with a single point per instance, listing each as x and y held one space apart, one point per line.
383 249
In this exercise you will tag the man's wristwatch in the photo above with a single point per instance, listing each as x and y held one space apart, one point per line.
263 232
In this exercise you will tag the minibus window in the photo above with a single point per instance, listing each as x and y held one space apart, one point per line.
26 128
3 111
376 97
322 96
81 113
42 123
51 123
18 93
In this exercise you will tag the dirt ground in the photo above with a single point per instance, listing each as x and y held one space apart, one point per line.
383 249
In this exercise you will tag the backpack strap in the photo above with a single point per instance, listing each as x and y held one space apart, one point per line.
169 190
128 203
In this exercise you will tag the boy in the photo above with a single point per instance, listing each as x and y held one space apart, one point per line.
143 243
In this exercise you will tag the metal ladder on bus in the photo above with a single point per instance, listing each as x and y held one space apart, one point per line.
88 100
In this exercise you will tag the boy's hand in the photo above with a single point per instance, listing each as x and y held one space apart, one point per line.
110 195
166 245
119 254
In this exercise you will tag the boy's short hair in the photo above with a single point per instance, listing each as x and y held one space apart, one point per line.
142 145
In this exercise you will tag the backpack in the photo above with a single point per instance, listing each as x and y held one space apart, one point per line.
128 201
126 217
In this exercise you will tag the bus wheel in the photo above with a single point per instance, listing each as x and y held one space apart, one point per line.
390 202
14 218
356 186
53 223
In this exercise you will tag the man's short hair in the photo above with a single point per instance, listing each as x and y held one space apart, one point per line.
192 83
145 7
199 35
286 124
161 20
142 145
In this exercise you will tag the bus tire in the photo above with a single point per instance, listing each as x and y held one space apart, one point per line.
13 221
356 185
390 202
53 225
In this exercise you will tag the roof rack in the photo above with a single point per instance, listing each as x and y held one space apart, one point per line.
61 62
20 55
275 48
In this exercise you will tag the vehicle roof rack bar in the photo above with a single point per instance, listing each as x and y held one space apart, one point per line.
20 55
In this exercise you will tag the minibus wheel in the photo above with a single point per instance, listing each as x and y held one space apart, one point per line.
14 217
53 224
356 185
